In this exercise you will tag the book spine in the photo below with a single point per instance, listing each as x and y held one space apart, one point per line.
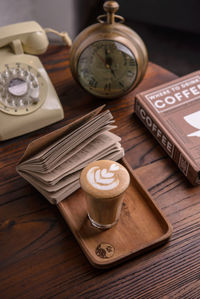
166 142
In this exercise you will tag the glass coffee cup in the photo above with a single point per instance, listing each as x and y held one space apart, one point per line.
104 183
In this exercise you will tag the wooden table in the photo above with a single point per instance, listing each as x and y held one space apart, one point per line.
39 256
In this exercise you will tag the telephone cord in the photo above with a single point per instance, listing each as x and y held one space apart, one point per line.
65 37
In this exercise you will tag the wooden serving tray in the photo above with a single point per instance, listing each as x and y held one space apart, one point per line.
141 227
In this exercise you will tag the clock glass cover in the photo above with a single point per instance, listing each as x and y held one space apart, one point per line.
107 68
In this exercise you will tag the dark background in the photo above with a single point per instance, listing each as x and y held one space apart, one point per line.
170 29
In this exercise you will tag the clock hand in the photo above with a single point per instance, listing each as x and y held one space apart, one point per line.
101 58
108 59
112 71
107 62
106 52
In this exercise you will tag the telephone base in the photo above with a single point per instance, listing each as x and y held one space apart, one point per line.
25 107
16 127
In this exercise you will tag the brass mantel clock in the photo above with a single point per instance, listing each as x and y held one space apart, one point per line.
108 59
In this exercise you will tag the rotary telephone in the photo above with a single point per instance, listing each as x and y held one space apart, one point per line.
28 100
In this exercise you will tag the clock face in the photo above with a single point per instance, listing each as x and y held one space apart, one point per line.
107 69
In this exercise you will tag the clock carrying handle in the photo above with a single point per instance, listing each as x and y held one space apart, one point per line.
101 19
110 7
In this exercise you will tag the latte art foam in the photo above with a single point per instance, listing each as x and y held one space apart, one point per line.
103 179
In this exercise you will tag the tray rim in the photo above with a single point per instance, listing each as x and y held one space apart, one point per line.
134 253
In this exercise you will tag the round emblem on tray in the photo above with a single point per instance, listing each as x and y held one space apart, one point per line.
105 250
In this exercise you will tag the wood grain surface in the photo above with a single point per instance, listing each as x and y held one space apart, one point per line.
39 256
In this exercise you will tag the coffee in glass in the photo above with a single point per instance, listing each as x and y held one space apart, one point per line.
104 183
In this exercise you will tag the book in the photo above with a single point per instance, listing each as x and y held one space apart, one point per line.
171 112
52 163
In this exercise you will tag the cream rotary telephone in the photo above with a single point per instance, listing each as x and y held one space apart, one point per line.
28 100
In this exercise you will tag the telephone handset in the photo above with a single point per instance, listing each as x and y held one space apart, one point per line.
28 100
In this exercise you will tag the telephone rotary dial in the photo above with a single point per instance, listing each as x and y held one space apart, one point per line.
21 89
